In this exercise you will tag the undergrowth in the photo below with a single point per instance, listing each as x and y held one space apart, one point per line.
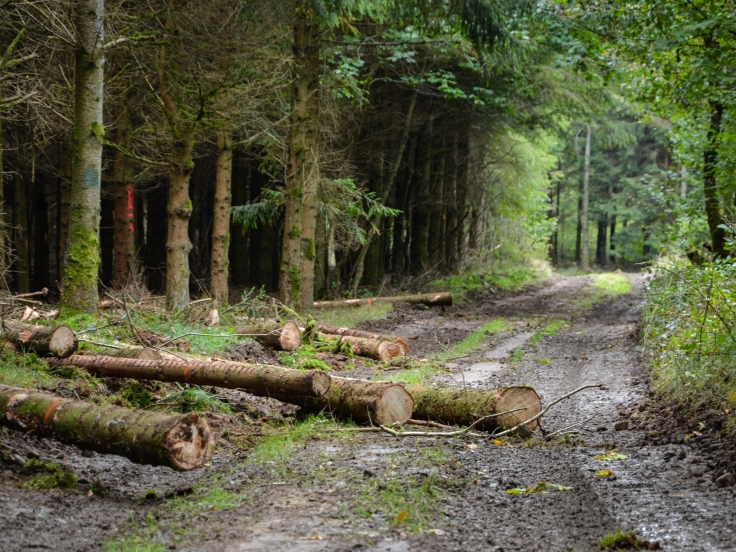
506 277
689 320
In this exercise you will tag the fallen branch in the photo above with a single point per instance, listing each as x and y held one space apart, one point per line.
446 433
568 428
43 293
183 441
544 410
429 299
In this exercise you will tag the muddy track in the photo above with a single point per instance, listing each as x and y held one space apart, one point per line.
332 492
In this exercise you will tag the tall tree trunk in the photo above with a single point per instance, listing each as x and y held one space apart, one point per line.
579 226
683 182
420 215
612 247
82 257
452 218
3 230
585 253
179 209
296 277
123 200
436 214
219 264
21 237
66 154
710 184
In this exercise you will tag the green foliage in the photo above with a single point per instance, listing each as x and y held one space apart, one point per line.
25 371
304 358
689 318
505 276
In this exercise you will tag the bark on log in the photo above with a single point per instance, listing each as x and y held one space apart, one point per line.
274 334
58 341
143 353
182 442
429 299
377 402
464 406
370 348
261 380
334 330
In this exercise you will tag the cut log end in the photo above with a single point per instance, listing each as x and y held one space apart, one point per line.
190 443
63 342
389 349
395 406
321 383
511 398
291 337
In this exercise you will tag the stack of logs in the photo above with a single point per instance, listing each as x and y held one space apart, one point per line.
186 441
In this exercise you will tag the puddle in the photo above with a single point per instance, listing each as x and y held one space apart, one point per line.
481 370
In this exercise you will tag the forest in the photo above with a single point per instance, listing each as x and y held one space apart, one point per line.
243 215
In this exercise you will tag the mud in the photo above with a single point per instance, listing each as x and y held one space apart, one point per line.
332 491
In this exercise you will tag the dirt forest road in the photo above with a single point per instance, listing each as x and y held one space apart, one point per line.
357 491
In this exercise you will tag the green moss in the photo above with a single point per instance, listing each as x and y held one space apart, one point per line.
137 395
308 248
188 205
80 272
49 475
622 540
296 231
295 283
98 130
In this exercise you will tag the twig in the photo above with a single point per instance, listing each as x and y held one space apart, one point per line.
544 410
43 293
102 344
447 433
427 423
564 429
31 301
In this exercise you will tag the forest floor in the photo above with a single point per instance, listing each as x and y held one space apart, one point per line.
308 489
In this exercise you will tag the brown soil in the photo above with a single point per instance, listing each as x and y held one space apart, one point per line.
332 490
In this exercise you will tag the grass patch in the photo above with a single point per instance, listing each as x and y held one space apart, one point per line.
195 399
414 376
471 341
350 317
409 503
517 356
25 371
277 448
542 360
215 499
605 285
512 278
548 331
622 540
49 475
141 538
434 456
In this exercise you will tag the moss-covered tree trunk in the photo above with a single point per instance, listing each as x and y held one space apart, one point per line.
82 257
219 264
296 277
376 402
182 126
3 229
182 442
465 406
258 379
123 200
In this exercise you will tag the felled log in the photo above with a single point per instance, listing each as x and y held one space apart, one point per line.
274 334
260 380
143 353
182 442
450 405
334 330
58 341
379 402
370 348
429 299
